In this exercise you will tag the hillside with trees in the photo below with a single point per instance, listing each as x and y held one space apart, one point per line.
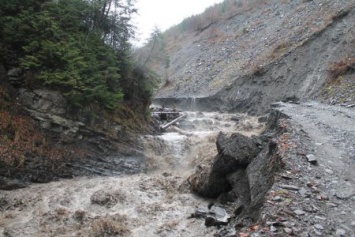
79 47
67 77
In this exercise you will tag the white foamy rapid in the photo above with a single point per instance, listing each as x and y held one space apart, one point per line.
155 203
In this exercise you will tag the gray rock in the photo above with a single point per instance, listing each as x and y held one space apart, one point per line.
236 151
234 154
217 216
288 231
11 184
239 182
290 187
16 76
320 218
44 101
42 177
260 175
311 159
303 192
269 223
277 199
263 119
277 105
344 193
319 227
345 227
107 198
331 204
340 232
273 228
299 212
329 171
200 212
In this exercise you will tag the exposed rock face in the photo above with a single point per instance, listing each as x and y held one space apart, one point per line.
91 143
43 101
16 76
51 109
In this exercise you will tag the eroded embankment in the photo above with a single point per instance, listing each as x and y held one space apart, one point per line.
298 75
43 139
313 194
301 72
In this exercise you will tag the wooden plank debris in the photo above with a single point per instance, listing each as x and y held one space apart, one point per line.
165 126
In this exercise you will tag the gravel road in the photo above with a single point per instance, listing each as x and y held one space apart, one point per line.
320 173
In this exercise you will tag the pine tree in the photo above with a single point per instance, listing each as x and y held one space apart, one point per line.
80 47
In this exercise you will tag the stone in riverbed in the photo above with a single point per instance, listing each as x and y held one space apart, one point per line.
11 184
217 216
200 212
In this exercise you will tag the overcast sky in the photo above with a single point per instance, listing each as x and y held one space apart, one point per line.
165 13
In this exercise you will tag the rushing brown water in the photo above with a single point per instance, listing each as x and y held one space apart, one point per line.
155 203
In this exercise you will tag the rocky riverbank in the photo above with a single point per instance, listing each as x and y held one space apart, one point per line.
312 194
44 138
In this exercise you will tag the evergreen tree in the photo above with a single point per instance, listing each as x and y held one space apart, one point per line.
80 47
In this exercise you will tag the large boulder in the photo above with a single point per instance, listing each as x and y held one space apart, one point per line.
240 187
234 152
208 184
227 170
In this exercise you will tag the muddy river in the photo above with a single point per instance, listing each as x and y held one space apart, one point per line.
154 203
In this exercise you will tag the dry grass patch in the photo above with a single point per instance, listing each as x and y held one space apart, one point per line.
341 67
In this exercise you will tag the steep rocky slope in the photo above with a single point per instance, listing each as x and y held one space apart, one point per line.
275 50
43 138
